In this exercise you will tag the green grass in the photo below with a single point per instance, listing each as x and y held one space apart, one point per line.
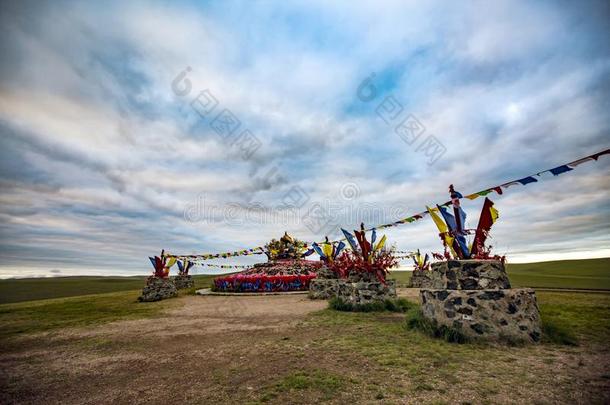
436 365
579 274
417 321
320 381
393 305
27 289
53 314
572 274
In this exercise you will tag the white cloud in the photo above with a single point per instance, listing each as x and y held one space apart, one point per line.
111 157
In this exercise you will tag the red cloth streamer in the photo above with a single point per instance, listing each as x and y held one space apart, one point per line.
486 220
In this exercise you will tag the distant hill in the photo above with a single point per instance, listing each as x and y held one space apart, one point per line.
27 289
586 274
591 274
570 274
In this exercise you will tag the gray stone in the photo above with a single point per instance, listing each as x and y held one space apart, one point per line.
357 293
420 279
157 289
323 289
326 273
362 292
183 281
463 275
489 314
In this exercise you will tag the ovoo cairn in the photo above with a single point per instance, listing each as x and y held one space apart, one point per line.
357 276
284 271
470 291
158 285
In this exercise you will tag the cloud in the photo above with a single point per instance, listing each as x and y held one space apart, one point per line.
102 161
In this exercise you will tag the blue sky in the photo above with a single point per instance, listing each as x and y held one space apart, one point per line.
104 163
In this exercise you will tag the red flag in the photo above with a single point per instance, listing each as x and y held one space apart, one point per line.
488 216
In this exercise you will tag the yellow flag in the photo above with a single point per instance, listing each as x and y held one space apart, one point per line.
494 214
381 243
327 249
440 224
170 262
442 228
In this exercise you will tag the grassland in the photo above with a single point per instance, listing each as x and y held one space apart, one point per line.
27 289
288 349
265 350
571 274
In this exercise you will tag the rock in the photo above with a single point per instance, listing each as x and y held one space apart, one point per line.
474 297
325 273
323 289
489 314
357 293
420 279
464 275
183 281
365 292
157 289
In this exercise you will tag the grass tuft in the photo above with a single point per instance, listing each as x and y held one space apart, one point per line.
555 332
417 321
318 380
392 305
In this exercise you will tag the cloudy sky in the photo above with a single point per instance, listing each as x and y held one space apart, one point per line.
129 127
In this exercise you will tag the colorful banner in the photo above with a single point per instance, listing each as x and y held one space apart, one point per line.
207 256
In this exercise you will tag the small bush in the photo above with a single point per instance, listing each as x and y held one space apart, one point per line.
553 332
417 321
392 305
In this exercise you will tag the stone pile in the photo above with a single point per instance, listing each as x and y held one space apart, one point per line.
324 286
357 289
474 297
419 279
157 289
182 281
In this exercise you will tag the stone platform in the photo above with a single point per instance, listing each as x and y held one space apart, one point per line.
510 314
357 293
474 297
323 288
157 289
464 275
183 281
419 279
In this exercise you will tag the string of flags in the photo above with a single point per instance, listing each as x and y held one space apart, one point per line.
499 189
556 171
259 250
223 266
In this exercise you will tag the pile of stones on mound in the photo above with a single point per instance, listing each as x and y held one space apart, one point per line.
357 289
286 266
182 281
324 286
419 279
474 297
157 289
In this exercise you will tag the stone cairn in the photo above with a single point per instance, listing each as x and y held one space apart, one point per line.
183 281
359 286
324 286
158 288
419 279
357 289
475 298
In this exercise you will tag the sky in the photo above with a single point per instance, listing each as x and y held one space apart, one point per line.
204 127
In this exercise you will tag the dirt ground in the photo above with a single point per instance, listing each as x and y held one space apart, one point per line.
216 349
